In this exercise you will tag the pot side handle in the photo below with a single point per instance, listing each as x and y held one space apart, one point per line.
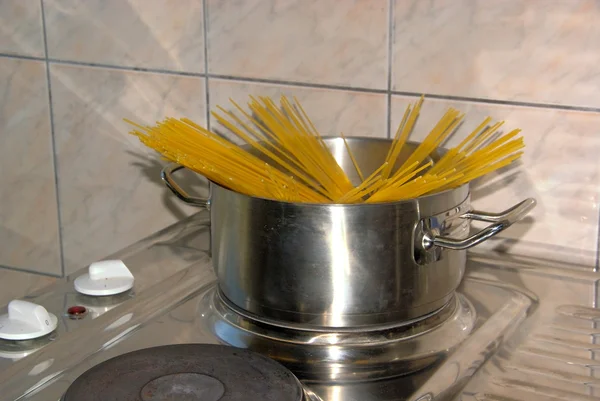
167 176
500 222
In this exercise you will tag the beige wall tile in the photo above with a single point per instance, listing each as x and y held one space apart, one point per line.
21 28
28 218
331 111
525 50
109 184
16 285
560 169
163 34
318 41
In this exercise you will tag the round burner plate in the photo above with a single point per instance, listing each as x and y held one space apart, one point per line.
346 355
185 372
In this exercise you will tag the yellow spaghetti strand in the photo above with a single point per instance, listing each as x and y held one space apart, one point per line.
353 159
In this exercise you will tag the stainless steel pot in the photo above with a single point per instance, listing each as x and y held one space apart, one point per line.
343 266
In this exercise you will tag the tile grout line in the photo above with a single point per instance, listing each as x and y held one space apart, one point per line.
516 103
21 270
125 68
206 84
490 101
297 83
22 57
53 144
595 324
597 267
389 66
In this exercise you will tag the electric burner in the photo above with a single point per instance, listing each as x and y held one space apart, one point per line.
187 372
345 354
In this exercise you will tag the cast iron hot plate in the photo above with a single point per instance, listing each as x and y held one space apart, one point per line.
185 372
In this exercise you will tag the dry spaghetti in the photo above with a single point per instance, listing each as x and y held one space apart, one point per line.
285 157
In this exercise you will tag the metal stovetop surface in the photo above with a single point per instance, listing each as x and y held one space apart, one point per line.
534 336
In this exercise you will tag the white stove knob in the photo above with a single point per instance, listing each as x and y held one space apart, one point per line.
25 321
108 277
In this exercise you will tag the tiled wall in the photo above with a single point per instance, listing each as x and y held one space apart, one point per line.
74 187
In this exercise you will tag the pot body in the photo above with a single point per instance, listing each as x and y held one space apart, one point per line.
343 266
332 265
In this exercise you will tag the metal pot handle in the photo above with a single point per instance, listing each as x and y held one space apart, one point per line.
501 221
166 175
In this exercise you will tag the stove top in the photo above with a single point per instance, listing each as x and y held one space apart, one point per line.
516 330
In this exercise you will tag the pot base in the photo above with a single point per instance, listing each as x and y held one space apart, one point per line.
336 322
349 354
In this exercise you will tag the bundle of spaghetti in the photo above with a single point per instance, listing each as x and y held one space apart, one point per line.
474 157
289 138
400 182
285 158
219 160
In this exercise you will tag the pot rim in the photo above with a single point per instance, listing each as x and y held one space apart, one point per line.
316 204
440 149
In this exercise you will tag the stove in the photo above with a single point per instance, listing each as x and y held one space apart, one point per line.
149 323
